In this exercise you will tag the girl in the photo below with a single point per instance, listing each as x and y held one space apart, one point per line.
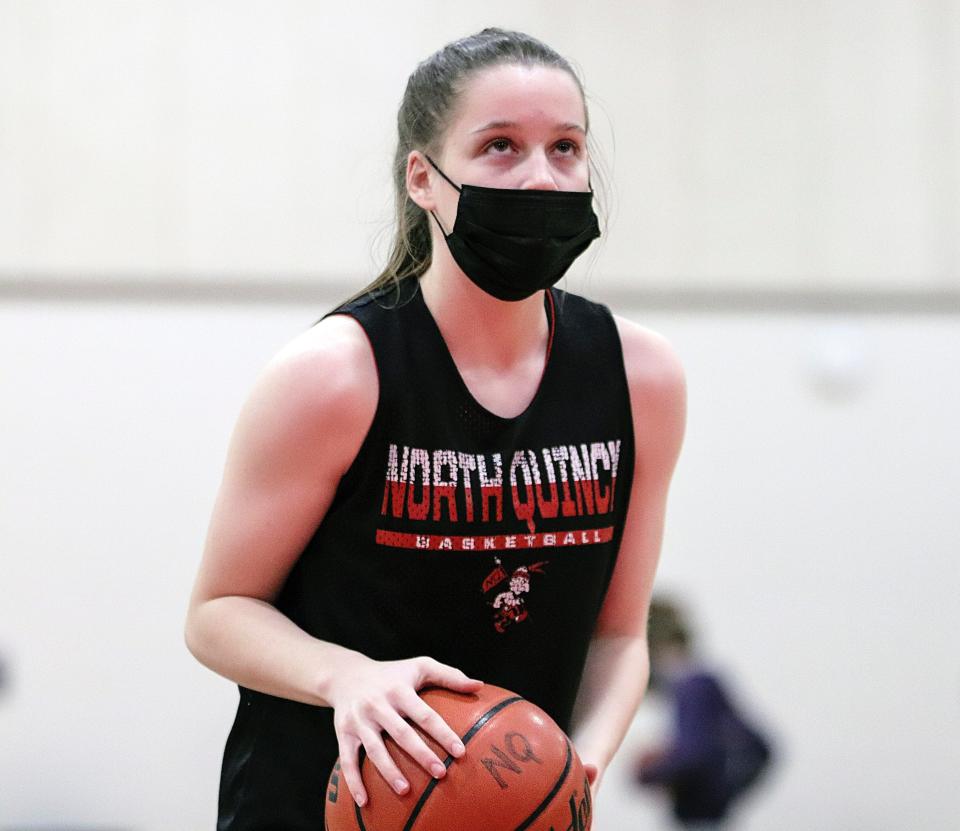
458 477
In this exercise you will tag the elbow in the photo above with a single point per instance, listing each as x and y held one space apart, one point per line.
191 632
189 636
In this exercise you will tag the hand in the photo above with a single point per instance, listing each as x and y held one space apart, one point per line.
594 775
370 697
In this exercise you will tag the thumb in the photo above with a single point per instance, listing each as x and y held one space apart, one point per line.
450 677
591 771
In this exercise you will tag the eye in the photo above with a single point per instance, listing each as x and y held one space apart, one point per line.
567 147
500 145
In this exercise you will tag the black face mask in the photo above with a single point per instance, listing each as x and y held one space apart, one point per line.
513 243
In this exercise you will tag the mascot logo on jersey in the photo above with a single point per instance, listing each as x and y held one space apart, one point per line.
509 603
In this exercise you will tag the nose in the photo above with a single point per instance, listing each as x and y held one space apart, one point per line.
538 174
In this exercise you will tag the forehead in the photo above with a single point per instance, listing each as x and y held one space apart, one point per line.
527 95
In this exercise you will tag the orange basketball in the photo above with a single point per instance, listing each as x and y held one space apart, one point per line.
519 772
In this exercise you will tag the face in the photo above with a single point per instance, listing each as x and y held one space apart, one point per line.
514 127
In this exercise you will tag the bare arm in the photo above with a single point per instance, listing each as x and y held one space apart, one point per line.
617 669
296 436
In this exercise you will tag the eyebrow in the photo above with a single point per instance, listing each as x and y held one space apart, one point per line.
499 125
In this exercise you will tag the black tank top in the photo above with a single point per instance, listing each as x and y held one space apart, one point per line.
484 542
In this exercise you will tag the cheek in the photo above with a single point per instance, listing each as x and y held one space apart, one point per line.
447 209
583 178
581 170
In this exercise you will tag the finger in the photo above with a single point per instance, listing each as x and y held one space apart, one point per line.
412 742
350 769
382 760
591 772
433 672
431 722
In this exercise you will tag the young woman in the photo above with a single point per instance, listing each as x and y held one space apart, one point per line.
459 477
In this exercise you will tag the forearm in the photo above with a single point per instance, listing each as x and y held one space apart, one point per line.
614 680
252 643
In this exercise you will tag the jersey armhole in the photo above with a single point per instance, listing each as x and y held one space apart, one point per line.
355 465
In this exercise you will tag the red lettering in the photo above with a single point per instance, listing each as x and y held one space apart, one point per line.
549 506
602 495
523 508
491 487
580 465
444 490
396 483
419 508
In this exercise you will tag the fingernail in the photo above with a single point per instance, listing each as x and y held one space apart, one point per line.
399 785
437 769
361 800
457 749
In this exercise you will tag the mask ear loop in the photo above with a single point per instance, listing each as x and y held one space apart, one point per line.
458 190
445 234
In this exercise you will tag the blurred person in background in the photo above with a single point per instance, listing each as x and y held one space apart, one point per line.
715 754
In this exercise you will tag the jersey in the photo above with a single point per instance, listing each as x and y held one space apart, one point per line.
485 542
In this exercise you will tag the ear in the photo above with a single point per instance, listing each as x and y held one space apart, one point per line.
419 184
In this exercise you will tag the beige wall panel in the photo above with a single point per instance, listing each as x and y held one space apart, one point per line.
775 145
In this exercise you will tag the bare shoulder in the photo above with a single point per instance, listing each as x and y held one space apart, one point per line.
652 364
333 358
319 391
298 431
657 382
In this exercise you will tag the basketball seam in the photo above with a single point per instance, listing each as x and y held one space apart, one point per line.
480 722
553 792
449 760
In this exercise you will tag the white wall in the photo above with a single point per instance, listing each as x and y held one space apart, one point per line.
812 529
756 143
763 150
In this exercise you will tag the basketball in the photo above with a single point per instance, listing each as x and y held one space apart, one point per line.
519 771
